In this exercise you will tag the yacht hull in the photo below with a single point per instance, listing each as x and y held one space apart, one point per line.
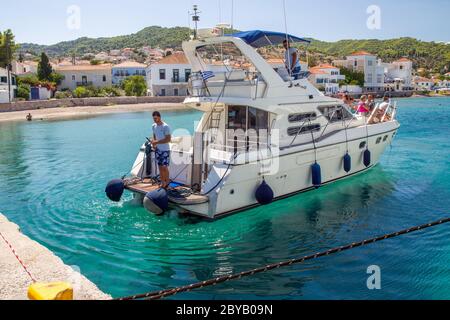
294 175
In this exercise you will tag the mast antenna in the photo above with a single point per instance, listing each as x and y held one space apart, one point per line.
196 19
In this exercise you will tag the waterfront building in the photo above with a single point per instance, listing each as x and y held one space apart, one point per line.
367 63
423 84
170 76
326 78
398 75
127 69
7 92
84 75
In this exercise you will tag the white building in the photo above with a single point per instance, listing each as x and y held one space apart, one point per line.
5 93
85 75
423 84
25 67
367 63
399 75
326 77
170 76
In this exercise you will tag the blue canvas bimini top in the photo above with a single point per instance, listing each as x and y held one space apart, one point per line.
259 38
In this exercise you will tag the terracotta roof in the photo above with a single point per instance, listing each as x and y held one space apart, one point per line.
403 60
275 61
316 71
422 79
130 64
174 58
325 66
84 67
361 53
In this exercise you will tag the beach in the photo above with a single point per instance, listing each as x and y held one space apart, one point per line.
89 111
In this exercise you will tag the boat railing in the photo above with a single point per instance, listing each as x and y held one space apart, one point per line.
380 115
238 83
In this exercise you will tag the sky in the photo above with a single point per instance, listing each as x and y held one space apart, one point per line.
328 20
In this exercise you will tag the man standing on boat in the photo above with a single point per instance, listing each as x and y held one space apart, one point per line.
162 136
292 60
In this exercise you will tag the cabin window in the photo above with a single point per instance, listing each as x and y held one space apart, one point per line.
362 145
300 117
247 127
379 140
294 131
335 113
237 118
385 138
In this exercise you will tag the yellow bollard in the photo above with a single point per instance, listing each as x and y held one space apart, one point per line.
50 291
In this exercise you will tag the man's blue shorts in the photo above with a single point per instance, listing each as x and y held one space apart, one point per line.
162 158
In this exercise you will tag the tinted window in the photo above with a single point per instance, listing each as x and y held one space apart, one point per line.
302 130
299 117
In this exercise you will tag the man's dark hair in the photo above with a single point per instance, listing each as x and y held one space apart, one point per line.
156 114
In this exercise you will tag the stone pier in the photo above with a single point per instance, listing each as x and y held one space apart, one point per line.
42 264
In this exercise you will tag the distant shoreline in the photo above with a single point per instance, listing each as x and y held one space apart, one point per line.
88 111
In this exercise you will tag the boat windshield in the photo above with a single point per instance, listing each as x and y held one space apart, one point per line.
226 60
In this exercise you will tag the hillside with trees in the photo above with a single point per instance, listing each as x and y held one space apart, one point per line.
151 36
429 55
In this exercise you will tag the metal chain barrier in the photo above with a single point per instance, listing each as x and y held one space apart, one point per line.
171 292
18 258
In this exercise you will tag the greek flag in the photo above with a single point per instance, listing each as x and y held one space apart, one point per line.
207 75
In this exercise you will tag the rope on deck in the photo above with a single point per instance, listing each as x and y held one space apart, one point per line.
18 258
171 292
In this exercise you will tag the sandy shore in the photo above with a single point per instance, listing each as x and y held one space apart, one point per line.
83 112
42 264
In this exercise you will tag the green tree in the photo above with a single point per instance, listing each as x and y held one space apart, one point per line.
8 47
23 91
56 78
353 77
45 69
135 86
81 92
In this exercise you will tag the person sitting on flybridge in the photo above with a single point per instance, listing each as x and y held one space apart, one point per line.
162 136
292 60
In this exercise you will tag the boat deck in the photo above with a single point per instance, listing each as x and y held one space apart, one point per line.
180 195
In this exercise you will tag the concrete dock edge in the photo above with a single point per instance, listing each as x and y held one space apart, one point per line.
42 264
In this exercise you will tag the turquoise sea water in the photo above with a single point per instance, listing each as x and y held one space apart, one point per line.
52 178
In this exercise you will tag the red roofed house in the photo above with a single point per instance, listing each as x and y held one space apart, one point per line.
367 63
170 76
326 77
399 75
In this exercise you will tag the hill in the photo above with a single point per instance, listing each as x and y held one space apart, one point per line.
151 36
429 55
